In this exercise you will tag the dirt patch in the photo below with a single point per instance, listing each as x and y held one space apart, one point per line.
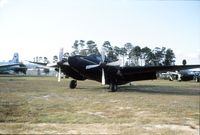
47 128
187 129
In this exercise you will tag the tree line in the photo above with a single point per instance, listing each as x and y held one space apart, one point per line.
131 55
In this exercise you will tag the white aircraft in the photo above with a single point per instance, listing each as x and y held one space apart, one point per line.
12 66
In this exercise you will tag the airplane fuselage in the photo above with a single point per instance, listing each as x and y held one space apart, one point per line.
112 74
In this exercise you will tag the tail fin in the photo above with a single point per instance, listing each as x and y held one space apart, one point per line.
15 58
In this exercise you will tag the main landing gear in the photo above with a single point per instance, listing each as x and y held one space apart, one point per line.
113 87
73 84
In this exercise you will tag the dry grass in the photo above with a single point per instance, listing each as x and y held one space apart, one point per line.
42 105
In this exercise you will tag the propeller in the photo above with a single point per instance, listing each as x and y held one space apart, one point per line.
59 74
102 64
60 59
103 80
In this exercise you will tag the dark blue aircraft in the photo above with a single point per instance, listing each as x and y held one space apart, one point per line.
96 68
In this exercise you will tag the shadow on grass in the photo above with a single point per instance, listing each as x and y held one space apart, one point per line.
151 89
160 90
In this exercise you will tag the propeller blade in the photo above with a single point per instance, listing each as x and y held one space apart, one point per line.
66 63
115 63
91 66
61 54
103 77
52 65
103 55
59 73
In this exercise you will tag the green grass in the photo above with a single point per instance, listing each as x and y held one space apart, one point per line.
26 103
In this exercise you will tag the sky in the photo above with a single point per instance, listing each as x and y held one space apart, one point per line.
41 27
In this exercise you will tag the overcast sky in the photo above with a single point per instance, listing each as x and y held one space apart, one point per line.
42 27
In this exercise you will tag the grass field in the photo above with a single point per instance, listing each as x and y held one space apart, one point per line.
36 105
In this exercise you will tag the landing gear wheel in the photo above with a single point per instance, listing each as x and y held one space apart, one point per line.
72 84
113 87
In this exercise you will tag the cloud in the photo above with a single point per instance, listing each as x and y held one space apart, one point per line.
3 2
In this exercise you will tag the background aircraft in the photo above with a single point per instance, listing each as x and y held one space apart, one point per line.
13 66
182 75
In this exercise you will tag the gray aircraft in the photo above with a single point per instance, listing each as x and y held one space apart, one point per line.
182 75
13 66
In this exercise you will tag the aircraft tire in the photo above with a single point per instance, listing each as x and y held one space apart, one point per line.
113 87
72 84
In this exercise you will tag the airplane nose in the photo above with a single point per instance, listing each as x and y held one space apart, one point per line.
103 64
60 63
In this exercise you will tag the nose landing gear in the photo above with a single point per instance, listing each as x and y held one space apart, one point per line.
73 84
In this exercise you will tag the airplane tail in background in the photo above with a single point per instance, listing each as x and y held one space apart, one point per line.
15 58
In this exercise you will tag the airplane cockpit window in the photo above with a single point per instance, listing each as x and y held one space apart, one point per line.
98 58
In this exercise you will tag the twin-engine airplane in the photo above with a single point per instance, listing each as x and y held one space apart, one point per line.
13 66
96 68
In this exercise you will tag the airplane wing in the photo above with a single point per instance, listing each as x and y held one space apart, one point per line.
8 65
39 63
128 74
146 69
44 65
